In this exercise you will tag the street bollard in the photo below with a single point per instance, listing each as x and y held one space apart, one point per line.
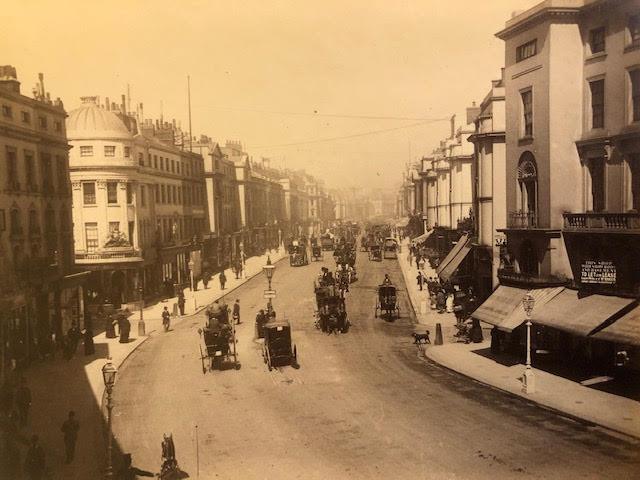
438 334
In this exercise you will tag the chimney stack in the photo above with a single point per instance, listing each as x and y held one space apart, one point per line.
453 126
123 106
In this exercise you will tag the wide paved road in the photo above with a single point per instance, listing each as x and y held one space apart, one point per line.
363 405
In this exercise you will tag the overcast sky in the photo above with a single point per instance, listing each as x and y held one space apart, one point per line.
272 73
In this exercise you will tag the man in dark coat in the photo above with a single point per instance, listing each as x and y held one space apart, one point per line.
236 312
223 280
181 303
69 430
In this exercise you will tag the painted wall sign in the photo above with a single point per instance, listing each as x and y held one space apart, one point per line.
600 272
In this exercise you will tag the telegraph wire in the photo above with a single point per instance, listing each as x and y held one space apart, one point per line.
315 113
344 137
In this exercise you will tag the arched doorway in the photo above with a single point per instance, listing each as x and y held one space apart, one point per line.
528 188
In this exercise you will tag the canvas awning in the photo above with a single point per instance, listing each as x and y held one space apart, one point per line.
625 330
504 307
454 258
578 316
422 237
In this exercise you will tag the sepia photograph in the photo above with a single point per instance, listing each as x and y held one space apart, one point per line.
320 240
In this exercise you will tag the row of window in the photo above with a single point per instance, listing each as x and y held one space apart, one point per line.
596 88
29 175
33 221
177 195
25 117
89 193
165 164
109 151
170 165
92 242
596 40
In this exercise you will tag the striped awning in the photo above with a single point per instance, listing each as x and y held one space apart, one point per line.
454 258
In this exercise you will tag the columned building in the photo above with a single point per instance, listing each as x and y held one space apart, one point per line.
39 292
489 189
572 180
139 205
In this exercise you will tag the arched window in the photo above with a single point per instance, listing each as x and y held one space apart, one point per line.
528 188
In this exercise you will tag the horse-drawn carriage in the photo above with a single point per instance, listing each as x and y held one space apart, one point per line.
278 350
387 301
298 255
375 253
331 316
390 248
219 340
316 253
326 242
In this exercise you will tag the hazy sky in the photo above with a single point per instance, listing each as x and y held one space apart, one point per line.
260 69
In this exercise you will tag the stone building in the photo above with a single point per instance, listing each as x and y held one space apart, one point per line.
139 206
39 292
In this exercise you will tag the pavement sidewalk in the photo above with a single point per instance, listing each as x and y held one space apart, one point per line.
420 299
474 360
568 397
58 385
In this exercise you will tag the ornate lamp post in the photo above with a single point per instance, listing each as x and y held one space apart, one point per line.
269 270
109 373
528 302
191 267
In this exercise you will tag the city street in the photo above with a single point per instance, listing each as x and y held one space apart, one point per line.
362 404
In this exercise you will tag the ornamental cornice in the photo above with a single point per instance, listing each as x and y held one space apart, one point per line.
555 14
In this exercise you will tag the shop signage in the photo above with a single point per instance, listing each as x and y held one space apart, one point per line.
601 272
269 294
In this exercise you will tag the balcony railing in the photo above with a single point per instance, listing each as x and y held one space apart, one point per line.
600 221
114 253
523 220
509 277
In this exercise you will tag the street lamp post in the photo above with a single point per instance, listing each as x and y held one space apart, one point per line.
193 292
141 325
109 373
528 302
269 270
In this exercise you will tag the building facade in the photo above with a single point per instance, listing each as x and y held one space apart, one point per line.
139 206
489 190
40 294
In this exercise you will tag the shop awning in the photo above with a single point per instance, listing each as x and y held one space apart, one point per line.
578 316
504 307
625 330
454 258
422 237
75 279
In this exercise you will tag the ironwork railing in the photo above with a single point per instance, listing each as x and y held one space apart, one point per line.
601 221
113 253
523 220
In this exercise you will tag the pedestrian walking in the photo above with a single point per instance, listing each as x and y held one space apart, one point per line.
181 303
34 461
89 347
236 312
420 279
69 430
23 401
206 277
223 280
166 319
125 328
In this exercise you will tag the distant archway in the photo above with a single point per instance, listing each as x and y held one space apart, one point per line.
528 187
